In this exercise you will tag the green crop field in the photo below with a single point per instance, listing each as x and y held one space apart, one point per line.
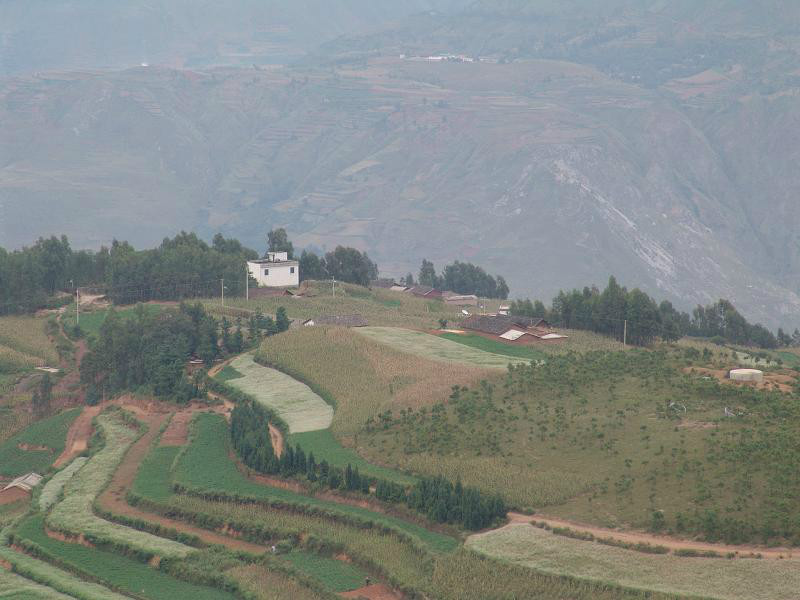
432 347
45 440
494 347
301 408
91 321
754 579
58 580
334 575
53 488
153 479
324 445
264 583
24 343
74 514
18 588
227 373
207 466
115 570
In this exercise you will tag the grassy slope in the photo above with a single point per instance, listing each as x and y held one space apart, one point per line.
91 321
295 402
718 578
24 337
206 466
593 438
363 378
431 347
378 306
50 432
115 570
268 584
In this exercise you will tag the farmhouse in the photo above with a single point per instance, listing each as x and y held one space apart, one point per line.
19 488
339 320
511 328
276 270
454 299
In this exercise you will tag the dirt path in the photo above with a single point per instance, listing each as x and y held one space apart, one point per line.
277 440
377 591
636 537
78 435
113 498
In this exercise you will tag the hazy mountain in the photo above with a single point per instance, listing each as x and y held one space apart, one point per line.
652 140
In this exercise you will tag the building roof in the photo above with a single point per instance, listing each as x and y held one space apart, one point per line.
424 290
500 324
25 482
274 263
340 320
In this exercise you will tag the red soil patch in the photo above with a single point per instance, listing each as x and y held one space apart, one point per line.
377 591
69 539
636 537
784 380
177 432
13 495
32 448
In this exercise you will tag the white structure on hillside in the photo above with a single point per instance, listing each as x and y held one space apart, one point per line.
276 270
746 375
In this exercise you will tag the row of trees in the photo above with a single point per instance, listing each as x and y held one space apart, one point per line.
606 312
437 498
343 263
462 278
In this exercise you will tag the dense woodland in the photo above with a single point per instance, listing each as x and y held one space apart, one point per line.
606 312
437 498
462 278
150 351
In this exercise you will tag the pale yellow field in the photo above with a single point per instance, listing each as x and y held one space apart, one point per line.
738 579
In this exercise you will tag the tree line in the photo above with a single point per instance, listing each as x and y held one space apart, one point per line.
436 497
179 268
607 311
461 278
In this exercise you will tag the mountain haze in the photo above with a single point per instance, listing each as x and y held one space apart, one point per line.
652 140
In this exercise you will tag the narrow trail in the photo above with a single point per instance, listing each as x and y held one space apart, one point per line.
113 498
635 537
377 591
276 437
78 435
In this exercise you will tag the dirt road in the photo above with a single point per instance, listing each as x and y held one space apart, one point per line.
78 436
635 537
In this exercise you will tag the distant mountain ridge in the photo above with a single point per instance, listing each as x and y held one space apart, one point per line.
656 144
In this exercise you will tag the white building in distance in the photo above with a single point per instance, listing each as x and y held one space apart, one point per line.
276 270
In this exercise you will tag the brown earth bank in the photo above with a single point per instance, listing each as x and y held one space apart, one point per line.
12 495
78 435
636 537
113 498
276 437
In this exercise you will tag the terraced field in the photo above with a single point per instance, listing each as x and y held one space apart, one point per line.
437 348
35 448
526 545
295 402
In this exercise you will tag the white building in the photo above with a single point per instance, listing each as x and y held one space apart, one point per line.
276 270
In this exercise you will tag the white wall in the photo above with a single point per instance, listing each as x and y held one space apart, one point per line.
275 274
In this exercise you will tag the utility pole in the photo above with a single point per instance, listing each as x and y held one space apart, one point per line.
625 333
333 286
222 290
246 283
78 306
